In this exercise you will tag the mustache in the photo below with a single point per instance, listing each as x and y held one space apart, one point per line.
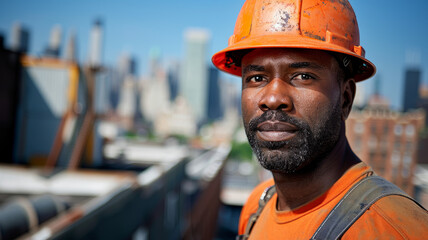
276 115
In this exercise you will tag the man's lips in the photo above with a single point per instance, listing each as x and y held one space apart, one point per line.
275 131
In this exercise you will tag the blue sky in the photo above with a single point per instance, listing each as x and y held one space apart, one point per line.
388 29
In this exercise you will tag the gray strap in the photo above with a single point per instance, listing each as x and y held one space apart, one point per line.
355 202
264 198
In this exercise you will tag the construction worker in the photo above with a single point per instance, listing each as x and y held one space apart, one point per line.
299 61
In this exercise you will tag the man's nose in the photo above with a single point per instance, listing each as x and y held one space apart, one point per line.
275 96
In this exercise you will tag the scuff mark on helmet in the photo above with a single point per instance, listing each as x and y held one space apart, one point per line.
284 24
311 35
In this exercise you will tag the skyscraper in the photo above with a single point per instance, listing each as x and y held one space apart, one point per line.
173 74
127 102
96 44
20 38
194 78
360 97
127 65
155 64
53 49
155 89
155 96
70 50
411 88
214 106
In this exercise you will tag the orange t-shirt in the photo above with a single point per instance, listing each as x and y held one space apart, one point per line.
391 217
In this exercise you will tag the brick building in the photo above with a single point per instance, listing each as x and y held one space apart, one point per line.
387 140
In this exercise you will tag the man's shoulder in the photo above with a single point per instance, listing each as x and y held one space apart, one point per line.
394 216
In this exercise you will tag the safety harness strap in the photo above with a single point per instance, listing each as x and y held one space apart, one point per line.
356 201
264 198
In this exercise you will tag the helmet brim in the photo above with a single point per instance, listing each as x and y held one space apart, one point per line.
224 63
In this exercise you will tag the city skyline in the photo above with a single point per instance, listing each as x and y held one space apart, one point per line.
389 33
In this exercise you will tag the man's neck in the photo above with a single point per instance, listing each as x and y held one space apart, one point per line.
295 190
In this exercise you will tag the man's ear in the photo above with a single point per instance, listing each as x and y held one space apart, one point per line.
349 89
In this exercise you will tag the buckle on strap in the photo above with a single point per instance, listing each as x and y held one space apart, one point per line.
264 198
242 237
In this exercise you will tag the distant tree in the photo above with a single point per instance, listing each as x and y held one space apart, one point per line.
241 151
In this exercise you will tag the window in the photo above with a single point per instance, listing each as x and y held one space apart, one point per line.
395 158
398 129
372 142
410 130
407 160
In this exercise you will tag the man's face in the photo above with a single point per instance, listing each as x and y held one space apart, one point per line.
291 106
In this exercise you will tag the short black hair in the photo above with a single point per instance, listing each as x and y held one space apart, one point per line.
234 58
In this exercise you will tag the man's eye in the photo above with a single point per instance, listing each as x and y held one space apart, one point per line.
255 79
303 77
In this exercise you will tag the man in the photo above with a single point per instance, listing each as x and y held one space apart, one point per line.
299 61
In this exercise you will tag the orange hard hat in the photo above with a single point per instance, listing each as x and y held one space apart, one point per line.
328 25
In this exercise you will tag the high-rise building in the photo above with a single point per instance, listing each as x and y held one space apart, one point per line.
214 106
155 96
127 65
155 65
127 107
71 48
194 78
53 49
20 38
96 45
103 90
387 140
231 98
411 88
178 119
360 97
173 74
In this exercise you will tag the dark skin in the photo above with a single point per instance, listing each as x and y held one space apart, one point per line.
305 85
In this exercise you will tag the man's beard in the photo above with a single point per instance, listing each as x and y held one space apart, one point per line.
303 151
